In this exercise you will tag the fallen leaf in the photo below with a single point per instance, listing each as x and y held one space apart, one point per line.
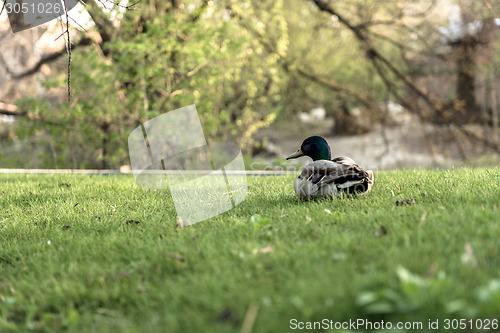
327 224
468 257
175 256
267 249
338 256
382 231
227 316
180 223
432 270
422 219
410 202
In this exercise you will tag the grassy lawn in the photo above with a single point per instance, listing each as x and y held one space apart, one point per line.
99 254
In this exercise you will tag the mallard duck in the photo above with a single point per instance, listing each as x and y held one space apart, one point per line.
326 177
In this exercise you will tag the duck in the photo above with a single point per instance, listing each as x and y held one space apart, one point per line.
327 177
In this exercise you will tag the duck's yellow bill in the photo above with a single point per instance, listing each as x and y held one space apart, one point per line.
298 153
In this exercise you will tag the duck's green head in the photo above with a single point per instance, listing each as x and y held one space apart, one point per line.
315 147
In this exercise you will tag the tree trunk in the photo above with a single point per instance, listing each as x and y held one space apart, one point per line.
494 105
105 141
465 110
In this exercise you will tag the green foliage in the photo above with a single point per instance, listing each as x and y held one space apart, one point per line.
97 253
243 63
161 59
324 46
413 293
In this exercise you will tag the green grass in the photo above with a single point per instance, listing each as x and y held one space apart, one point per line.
69 261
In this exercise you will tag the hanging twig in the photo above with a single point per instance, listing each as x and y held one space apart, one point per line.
66 32
68 49
3 6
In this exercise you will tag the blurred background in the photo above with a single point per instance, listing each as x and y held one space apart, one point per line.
392 84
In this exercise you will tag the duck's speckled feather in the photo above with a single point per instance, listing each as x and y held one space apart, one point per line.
330 178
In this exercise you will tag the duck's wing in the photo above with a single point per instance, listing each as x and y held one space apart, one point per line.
342 173
344 160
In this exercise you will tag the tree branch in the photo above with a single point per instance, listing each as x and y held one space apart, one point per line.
473 136
12 110
104 26
308 74
51 57
377 59
374 55
8 109
357 30
335 87
68 48
196 16
403 47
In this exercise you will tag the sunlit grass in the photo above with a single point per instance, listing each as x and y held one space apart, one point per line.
97 253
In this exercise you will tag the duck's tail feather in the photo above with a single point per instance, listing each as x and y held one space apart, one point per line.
361 182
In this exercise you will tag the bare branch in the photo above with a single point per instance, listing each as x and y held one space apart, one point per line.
104 26
68 49
133 5
335 87
358 31
76 22
473 136
8 109
426 11
365 25
61 35
12 110
306 73
374 55
490 7
198 13
3 6
48 59
403 47
380 63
